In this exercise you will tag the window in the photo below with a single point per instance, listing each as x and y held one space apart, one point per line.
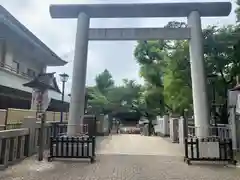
15 66
31 73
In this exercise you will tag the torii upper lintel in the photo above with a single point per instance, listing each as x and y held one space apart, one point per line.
205 9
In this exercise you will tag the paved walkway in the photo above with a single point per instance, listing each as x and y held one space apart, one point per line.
137 145
149 158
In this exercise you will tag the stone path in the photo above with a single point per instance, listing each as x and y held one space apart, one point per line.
150 158
137 145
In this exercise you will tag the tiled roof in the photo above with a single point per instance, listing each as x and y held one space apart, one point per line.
46 81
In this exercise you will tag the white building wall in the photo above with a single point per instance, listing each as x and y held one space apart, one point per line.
9 58
1 50
25 62
13 80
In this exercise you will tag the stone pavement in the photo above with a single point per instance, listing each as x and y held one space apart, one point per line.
113 163
137 145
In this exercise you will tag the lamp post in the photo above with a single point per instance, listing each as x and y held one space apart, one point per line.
64 78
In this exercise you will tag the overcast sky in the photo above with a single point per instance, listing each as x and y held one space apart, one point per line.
117 56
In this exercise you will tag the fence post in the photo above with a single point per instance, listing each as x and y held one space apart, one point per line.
15 148
186 148
230 148
66 116
166 125
232 123
6 120
93 149
174 134
185 123
31 124
22 146
5 153
51 147
181 129
54 129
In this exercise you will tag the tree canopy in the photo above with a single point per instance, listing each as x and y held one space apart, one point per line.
108 98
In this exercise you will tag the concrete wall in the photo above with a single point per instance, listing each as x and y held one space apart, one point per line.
162 126
15 116
102 124
3 114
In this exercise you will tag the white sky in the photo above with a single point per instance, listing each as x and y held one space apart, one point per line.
117 56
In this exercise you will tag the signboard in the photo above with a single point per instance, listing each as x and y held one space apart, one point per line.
209 149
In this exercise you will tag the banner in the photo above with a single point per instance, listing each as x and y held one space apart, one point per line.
38 97
34 100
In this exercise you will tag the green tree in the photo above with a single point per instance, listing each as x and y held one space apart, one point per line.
104 81
98 101
106 98
237 10
170 60
177 79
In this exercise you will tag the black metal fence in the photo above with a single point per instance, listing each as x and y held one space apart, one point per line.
72 147
223 146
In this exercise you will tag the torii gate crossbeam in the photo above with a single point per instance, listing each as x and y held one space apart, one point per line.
130 34
193 11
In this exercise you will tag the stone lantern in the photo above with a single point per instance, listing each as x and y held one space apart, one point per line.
40 85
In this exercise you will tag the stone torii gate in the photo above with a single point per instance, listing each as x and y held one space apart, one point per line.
193 11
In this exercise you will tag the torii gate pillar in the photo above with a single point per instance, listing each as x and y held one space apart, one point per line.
198 75
77 103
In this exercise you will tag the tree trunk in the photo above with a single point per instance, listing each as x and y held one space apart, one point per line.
150 128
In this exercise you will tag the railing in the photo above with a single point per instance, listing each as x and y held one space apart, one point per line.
81 145
13 146
72 147
13 70
208 149
222 132
16 144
